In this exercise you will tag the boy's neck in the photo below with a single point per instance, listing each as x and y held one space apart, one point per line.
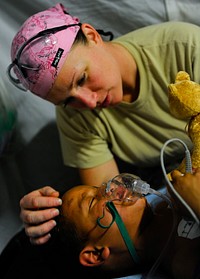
157 233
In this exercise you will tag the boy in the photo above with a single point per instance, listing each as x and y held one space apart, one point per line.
87 227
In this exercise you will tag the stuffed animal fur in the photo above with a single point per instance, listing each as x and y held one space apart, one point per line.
184 101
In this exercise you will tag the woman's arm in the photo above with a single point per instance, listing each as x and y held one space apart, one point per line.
98 175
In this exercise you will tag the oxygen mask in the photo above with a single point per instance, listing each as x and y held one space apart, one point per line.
124 187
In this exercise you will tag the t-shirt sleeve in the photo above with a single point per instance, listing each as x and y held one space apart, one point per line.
81 145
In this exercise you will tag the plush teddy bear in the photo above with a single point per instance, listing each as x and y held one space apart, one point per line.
184 101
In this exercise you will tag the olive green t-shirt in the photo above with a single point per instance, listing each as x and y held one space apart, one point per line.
136 132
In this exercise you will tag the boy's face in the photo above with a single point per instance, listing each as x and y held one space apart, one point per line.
85 204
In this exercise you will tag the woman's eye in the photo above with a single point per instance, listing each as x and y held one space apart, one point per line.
81 80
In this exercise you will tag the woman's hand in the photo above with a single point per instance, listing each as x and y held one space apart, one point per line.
38 208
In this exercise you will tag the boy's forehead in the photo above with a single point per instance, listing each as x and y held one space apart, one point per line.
68 199
75 193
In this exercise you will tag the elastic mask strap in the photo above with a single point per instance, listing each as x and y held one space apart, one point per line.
122 229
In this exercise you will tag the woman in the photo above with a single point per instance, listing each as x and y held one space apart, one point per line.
111 97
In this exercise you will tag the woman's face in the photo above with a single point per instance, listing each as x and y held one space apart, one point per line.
89 78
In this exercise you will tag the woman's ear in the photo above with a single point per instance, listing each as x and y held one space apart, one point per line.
93 256
91 33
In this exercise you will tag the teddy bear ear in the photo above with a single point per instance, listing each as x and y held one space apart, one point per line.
181 75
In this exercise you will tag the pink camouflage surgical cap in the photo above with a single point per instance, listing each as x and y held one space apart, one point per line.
38 58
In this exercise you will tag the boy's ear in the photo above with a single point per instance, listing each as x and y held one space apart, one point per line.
91 33
93 256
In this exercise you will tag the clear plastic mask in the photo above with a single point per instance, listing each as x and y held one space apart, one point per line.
124 187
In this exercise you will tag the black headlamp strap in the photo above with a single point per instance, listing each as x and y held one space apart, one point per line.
122 229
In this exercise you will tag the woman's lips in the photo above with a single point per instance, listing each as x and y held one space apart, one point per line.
106 102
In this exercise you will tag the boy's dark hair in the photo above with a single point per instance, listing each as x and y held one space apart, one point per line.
68 236
71 244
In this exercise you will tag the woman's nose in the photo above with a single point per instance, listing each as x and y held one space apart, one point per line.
87 97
